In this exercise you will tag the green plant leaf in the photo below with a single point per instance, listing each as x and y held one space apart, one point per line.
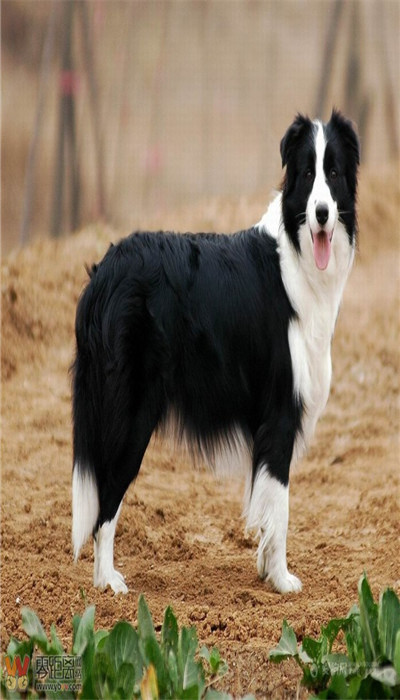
87 692
125 680
145 622
84 646
56 646
100 638
354 687
316 673
169 633
103 678
343 688
396 658
192 673
388 622
204 653
332 629
215 660
313 648
154 658
215 664
314 677
371 688
354 641
193 692
34 629
75 624
365 672
121 664
337 688
172 667
20 648
303 656
287 645
84 634
187 645
122 644
368 621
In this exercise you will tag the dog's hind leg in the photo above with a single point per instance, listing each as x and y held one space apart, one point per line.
123 458
118 401
104 572
112 490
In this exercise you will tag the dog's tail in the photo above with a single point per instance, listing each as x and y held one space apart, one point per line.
86 432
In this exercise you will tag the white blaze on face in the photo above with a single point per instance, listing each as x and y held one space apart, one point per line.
321 231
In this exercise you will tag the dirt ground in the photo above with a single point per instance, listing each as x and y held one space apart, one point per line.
180 538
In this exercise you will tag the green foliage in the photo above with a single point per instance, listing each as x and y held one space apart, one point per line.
139 663
125 662
371 666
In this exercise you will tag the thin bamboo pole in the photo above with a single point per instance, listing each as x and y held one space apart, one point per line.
328 59
29 187
66 142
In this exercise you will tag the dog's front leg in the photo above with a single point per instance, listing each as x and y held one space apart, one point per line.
268 514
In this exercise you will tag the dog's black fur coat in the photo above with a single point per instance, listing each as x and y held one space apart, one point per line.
194 326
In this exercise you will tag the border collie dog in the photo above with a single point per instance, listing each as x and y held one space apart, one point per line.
225 337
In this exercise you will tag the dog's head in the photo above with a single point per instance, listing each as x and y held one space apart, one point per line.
320 183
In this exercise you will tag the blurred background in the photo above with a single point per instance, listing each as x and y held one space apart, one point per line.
113 110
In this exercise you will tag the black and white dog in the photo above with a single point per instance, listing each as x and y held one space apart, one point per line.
227 337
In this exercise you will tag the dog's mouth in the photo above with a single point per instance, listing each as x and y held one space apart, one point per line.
322 241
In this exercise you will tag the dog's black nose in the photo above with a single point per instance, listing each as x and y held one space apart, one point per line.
322 213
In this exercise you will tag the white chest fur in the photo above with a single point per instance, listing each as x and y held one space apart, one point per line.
312 372
315 296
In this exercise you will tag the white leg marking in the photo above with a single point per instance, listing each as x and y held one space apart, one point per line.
268 514
104 572
85 507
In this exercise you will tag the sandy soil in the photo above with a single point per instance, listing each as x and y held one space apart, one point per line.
180 537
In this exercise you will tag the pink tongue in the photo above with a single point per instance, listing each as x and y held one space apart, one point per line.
322 250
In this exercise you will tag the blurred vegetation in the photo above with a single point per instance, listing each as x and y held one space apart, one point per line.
112 110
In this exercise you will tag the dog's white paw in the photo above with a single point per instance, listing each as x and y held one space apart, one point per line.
114 579
285 583
276 573
117 583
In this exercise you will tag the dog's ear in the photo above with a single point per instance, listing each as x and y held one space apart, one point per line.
347 133
291 139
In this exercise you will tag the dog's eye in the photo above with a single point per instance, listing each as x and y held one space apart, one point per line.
333 174
308 174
